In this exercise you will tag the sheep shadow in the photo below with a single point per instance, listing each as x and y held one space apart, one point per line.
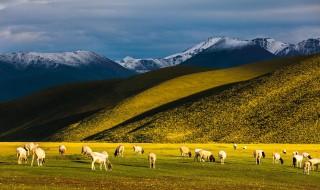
81 161
136 166
7 163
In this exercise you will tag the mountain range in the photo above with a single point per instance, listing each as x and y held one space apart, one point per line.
24 73
212 45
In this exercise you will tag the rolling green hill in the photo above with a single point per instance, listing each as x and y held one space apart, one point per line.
42 114
162 94
126 110
283 106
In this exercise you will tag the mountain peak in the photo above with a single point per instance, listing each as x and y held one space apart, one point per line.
74 58
270 44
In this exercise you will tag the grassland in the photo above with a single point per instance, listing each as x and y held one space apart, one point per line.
173 172
164 93
281 107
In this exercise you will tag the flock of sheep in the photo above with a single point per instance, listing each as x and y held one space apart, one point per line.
201 155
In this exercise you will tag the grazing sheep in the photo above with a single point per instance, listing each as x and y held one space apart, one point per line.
306 167
284 151
206 156
244 148
306 155
185 151
86 150
138 149
314 163
297 160
222 156
102 159
30 147
235 146
41 155
197 154
258 154
22 155
276 158
62 149
295 153
152 160
119 151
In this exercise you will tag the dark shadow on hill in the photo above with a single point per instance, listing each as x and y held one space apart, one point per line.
45 130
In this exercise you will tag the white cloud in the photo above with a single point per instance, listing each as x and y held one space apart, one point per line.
21 36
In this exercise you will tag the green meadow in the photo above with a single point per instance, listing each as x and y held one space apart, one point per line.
73 171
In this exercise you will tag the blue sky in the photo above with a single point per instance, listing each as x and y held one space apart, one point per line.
149 28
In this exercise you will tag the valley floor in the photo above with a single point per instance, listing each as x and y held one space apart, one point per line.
72 171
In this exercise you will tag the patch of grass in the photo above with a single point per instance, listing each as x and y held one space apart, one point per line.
173 172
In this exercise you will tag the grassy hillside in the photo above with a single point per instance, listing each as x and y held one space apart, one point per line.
162 94
42 114
280 107
173 172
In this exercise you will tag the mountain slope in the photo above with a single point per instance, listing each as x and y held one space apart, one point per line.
282 107
38 116
222 57
23 73
165 93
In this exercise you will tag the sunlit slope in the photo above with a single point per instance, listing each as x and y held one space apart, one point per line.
280 107
164 93
42 114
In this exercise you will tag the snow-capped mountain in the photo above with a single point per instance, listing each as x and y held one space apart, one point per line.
270 45
23 73
309 46
52 60
144 65
273 46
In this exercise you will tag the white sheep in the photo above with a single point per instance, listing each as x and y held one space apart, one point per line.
276 158
284 151
295 153
258 154
222 156
185 151
197 154
119 151
62 149
30 147
297 160
86 150
22 155
306 155
138 149
40 154
102 159
235 146
314 163
206 156
244 148
152 160
306 167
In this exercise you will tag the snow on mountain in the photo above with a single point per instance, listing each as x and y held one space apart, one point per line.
144 65
309 46
73 59
271 45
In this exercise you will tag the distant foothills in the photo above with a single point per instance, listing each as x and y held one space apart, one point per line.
23 73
